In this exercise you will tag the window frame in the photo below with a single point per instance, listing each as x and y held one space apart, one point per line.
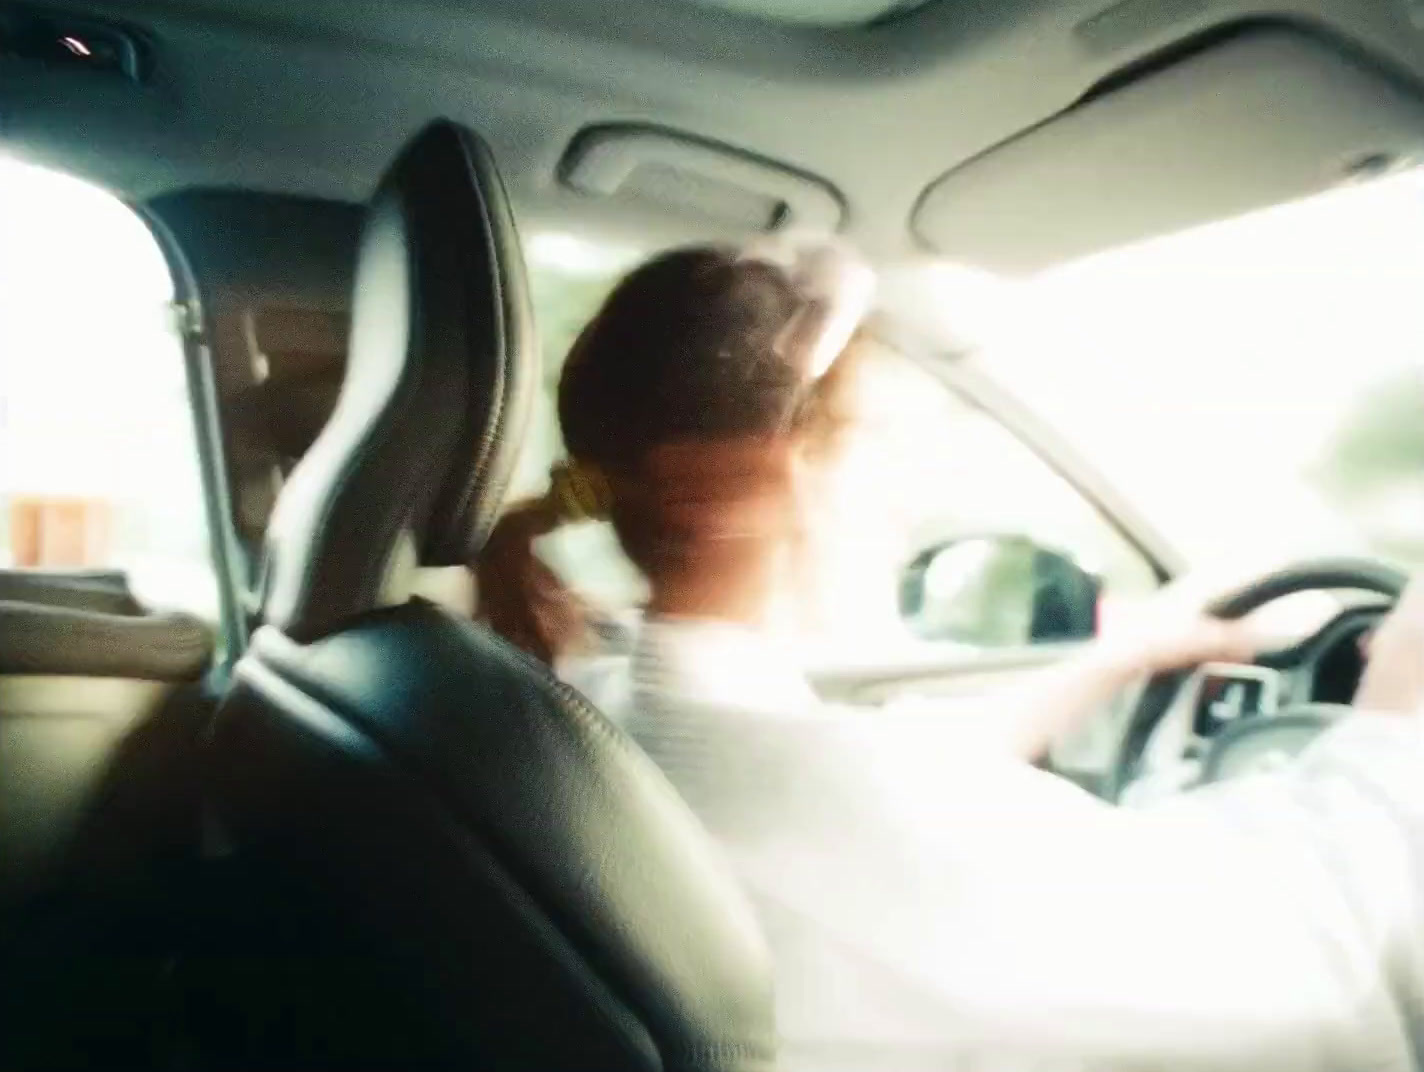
194 329
958 373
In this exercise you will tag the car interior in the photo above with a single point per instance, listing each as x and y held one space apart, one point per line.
335 823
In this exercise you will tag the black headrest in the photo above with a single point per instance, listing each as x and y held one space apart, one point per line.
438 384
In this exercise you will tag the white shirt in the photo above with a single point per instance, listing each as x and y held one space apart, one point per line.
932 903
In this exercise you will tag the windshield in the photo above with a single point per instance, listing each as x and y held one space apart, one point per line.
1255 388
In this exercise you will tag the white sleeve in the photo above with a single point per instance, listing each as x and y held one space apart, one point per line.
1043 709
1274 922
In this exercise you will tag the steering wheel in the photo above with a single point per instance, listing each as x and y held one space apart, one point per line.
1291 728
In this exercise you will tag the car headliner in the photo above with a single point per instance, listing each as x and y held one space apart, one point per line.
314 97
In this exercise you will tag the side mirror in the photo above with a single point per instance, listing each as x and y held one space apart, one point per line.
998 592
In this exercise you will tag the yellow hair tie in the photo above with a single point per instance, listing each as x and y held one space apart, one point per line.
579 491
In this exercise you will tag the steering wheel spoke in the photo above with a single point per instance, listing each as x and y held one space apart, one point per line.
1262 744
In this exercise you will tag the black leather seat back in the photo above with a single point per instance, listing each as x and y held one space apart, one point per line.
448 856
439 382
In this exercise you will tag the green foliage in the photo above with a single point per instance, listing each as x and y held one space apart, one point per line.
1379 443
566 302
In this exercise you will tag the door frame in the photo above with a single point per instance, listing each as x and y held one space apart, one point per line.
194 331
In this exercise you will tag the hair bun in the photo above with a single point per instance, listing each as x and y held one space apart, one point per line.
837 288
580 492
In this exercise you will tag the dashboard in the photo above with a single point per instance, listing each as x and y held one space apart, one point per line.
1338 669
1323 670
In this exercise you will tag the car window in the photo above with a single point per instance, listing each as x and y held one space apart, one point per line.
569 278
939 528
938 531
1253 385
98 457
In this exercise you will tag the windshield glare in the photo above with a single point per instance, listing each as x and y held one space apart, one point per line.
1255 387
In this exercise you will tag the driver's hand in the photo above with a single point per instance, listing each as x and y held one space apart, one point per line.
1172 632
1394 673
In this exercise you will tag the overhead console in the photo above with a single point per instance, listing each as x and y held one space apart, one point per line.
652 168
825 13
1269 114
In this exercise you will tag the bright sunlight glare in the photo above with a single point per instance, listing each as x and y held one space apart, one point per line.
93 393
1208 373
576 256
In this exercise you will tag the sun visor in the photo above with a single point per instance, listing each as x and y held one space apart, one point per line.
1266 116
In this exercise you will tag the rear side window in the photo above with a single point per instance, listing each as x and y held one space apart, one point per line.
99 467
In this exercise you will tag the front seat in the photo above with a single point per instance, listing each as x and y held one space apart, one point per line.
439 854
